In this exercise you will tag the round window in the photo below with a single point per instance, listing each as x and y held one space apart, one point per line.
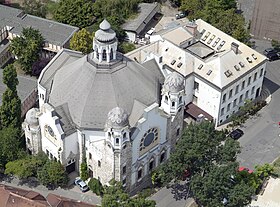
149 139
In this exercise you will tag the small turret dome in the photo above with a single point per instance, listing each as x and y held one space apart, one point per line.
31 117
105 33
117 118
174 82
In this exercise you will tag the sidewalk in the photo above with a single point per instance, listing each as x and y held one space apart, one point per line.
73 193
270 198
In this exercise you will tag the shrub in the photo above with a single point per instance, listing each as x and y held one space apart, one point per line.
84 171
95 186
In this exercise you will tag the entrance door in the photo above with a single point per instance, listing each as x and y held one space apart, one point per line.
70 168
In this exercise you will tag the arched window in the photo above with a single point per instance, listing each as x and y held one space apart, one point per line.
117 141
104 56
111 54
124 135
162 156
166 98
151 164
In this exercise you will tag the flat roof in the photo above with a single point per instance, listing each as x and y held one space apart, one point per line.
53 32
145 9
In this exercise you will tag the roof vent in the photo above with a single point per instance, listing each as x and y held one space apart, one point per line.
249 60
179 65
209 72
173 62
254 56
200 66
241 64
237 67
234 47
228 73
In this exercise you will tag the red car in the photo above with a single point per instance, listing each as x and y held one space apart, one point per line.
245 169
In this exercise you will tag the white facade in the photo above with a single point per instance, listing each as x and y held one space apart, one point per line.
214 65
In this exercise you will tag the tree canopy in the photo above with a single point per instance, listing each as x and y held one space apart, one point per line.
9 145
199 147
210 158
77 13
35 7
114 196
82 41
220 14
10 110
27 47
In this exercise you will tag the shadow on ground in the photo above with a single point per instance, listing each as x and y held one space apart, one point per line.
180 191
271 86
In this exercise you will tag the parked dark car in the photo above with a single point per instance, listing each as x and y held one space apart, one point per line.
236 134
271 54
269 51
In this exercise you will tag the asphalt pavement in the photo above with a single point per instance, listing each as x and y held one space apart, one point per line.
261 140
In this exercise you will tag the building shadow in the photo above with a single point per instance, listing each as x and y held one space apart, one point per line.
270 85
180 191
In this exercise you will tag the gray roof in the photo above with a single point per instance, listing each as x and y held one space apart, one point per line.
91 90
145 9
53 32
66 122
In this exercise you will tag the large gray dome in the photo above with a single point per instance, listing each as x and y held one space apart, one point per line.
32 118
105 33
174 82
117 118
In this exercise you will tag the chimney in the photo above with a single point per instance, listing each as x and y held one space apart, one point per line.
192 27
234 47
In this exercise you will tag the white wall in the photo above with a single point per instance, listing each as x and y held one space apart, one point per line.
151 118
131 36
254 83
208 98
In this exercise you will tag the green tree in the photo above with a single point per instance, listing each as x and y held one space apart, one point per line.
27 47
10 77
35 7
9 145
276 45
265 170
27 166
95 186
126 47
115 196
195 151
227 152
10 110
219 184
77 13
53 174
82 41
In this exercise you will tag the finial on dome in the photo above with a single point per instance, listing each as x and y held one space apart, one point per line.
105 25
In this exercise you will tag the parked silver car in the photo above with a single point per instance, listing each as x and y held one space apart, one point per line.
81 184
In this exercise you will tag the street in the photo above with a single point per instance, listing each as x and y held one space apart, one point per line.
261 140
